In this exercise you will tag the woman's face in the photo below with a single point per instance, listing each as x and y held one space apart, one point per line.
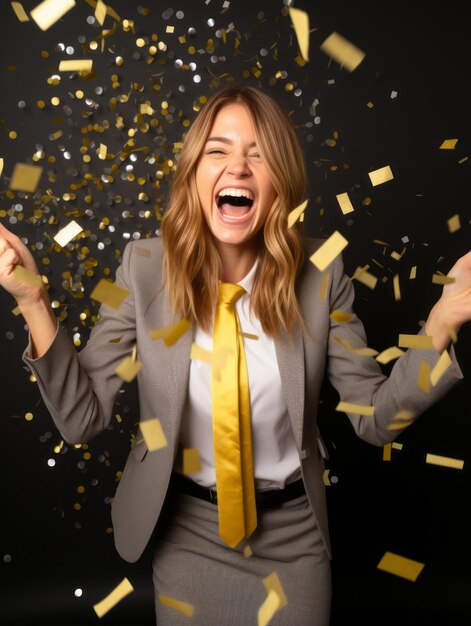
232 180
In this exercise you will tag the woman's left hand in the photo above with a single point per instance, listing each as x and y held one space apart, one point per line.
453 309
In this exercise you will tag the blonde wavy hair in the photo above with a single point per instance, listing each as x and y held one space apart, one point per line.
191 261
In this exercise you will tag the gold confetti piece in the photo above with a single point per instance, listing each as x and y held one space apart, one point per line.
247 551
328 251
452 333
272 583
76 65
300 21
325 478
100 12
340 316
444 461
48 12
146 109
364 277
342 51
403 419
268 608
380 176
448 144
1 164
440 368
170 29
191 461
25 276
440 279
359 409
345 204
215 360
400 425
153 434
423 378
19 11
400 566
128 369
16 311
25 177
296 213
389 354
413 272
120 592
102 152
108 293
397 288
171 334
67 233
365 351
178 605
387 452
454 223
324 284
421 342
396 255
396 445
249 336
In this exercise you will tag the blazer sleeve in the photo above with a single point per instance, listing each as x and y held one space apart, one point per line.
360 379
80 388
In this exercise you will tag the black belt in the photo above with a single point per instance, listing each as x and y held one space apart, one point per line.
264 499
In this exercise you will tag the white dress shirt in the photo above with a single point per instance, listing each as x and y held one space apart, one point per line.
276 460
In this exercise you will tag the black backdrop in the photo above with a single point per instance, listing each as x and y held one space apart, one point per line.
396 108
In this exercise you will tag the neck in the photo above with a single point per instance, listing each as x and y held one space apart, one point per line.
236 262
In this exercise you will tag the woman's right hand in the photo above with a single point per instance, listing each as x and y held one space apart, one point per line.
13 252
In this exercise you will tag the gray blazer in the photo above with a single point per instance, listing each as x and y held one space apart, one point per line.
80 388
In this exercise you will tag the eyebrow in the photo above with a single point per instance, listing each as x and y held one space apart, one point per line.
227 140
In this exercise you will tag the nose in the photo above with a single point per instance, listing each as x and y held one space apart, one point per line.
238 166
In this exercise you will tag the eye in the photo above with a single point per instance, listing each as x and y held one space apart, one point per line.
215 151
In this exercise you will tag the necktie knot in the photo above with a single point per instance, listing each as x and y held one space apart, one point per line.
229 293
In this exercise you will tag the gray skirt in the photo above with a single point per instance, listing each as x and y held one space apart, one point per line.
224 586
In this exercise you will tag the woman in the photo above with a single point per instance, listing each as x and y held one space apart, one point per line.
239 175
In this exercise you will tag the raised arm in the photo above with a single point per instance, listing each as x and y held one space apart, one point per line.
33 301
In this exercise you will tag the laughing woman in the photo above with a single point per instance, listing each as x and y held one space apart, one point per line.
241 385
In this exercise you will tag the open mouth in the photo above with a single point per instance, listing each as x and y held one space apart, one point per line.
235 204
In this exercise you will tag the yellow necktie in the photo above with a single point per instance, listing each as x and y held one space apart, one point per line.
231 422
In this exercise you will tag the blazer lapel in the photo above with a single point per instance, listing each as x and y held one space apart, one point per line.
290 355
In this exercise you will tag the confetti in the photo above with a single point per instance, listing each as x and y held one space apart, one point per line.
153 434
340 316
20 12
109 293
102 151
296 213
444 461
178 605
268 608
100 12
403 419
365 351
325 478
413 272
397 288
67 233
25 276
440 368
249 336
454 223
400 566
76 65
272 583
120 592
345 203
423 378
48 12
300 21
380 176
440 279
25 177
421 342
324 285
448 144
171 334
1 164
359 409
366 278
128 369
389 354
191 461
387 451
247 551
328 251
342 51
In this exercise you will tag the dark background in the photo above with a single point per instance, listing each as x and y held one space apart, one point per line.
56 539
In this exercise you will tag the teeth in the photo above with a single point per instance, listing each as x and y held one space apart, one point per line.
238 193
